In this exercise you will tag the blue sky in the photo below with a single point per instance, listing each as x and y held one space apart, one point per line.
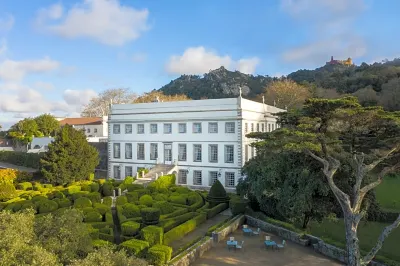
56 55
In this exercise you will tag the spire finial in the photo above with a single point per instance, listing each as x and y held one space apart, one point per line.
240 91
263 99
274 103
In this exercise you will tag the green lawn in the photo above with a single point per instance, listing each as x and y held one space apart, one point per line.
367 232
388 193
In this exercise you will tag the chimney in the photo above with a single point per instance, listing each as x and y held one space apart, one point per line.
331 58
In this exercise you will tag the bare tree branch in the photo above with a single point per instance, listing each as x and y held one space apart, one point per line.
359 161
372 165
388 229
382 174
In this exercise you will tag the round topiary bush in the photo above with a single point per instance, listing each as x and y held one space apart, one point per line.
217 194
133 187
94 197
94 187
150 216
130 228
85 187
164 206
56 195
107 189
79 194
101 208
132 196
177 199
28 205
63 203
238 205
7 191
107 201
24 186
46 206
160 197
182 190
93 216
130 210
146 200
38 198
82 203
121 200
142 192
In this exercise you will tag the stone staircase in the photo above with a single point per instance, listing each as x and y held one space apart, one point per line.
155 172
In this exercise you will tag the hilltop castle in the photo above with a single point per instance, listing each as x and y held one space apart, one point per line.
347 62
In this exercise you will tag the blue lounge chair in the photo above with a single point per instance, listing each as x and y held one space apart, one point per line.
256 232
281 246
240 246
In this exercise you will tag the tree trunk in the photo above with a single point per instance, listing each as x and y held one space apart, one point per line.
306 220
352 242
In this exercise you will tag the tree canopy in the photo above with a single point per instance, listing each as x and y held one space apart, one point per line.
286 93
69 158
25 130
47 124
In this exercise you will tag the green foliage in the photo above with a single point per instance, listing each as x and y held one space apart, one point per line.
62 203
24 186
25 130
101 208
164 206
176 212
94 197
98 243
56 195
177 199
146 200
174 221
135 247
159 254
160 197
238 205
217 209
107 189
132 196
143 191
121 200
93 216
152 234
31 160
82 203
107 201
46 206
130 228
217 194
38 198
7 190
94 187
47 124
133 187
163 182
130 210
150 216
72 189
195 200
183 229
70 157
78 195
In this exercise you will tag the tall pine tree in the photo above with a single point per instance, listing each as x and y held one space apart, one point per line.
70 157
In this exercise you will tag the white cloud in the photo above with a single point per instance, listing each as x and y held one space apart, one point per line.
198 60
78 97
139 57
106 21
7 23
3 47
330 23
40 85
16 70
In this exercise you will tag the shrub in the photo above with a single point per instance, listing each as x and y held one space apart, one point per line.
146 200
152 234
121 200
130 228
94 197
238 205
47 185
109 217
133 187
82 203
159 254
98 243
107 189
72 189
160 197
38 198
135 247
101 181
56 195
101 208
28 205
14 206
7 190
164 206
36 186
85 187
178 200
195 201
63 203
150 216
182 190
142 192
107 201
31 160
130 210
170 223
183 229
132 196
106 237
106 230
93 216
78 195
46 206
94 187
217 209
176 212
217 194
93 233
24 186
163 182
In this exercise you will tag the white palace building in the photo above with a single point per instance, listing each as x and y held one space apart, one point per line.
199 140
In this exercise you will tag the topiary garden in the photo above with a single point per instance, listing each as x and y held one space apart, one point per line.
149 218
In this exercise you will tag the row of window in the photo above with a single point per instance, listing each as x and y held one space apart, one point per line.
182 152
260 127
94 130
253 152
167 128
212 177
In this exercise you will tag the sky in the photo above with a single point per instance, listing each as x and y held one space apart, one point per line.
57 54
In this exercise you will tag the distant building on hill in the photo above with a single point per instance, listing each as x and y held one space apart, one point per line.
95 128
347 62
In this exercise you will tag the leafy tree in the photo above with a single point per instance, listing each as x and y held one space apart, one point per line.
106 256
25 130
47 124
18 244
288 187
69 158
331 132
158 95
99 105
286 93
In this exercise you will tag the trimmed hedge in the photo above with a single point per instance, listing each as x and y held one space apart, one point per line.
130 210
93 216
78 195
217 209
160 197
132 196
31 160
72 189
217 194
159 254
107 189
177 199
46 206
82 203
38 198
63 203
150 216
101 208
195 201
152 234
121 200
107 201
183 229
170 223
130 228
98 243
94 197
94 187
183 190
163 182
238 205
164 206
135 247
56 195
101 225
142 192
106 237
146 200
24 186
133 187
177 212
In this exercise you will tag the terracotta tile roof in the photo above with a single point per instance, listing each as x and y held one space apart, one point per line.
82 121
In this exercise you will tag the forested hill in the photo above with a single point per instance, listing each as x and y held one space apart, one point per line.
375 84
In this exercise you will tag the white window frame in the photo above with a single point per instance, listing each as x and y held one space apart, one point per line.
153 128
229 127
182 128
116 129
197 128
252 127
182 177
195 148
95 130
117 172
246 127
153 151
229 179
128 155
88 130
140 128
197 176
140 156
182 152
127 171
229 156
212 177
213 127
210 153
128 129
117 150
167 128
